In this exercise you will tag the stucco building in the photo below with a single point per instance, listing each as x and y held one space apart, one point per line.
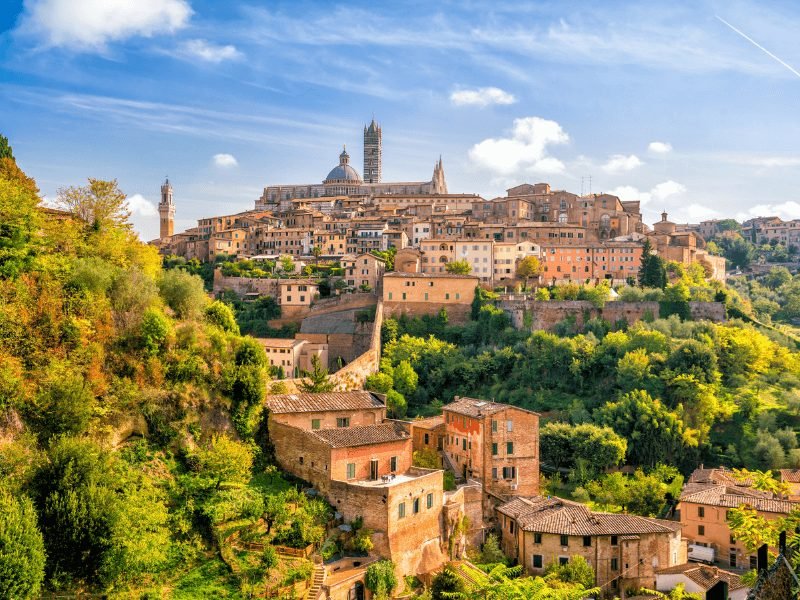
417 294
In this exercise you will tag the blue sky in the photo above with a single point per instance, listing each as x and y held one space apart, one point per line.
689 106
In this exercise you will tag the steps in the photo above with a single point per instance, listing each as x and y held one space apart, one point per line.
317 581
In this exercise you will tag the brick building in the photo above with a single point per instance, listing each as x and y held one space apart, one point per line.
293 355
418 294
328 410
625 551
493 443
363 270
705 501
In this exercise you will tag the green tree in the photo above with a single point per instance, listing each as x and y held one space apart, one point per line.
379 382
491 552
458 267
22 557
156 331
655 434
5 148
220 314
528 267
64 405
287 264
405 378
317 380
652 270
396 404
577 570
225 460
100 204
19 221
446 582
184 293
380 579
562 445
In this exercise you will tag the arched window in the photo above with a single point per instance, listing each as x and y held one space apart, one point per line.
562 217
605 221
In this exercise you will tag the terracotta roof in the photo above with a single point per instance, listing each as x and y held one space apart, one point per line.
279 342
476 408
563 517
734 497
429 423
790 475
346 437
430 275
703 575
720 475
299 403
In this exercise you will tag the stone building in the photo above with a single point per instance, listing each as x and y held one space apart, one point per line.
625 551
701 579
615 260
373 153
417 294
705 501
685 247
293 356
364 270
328 410
495 444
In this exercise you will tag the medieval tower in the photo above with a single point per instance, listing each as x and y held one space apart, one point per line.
372 153
166 210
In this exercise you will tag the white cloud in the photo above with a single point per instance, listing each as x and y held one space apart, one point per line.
525 149
786 210
139 205
773 161
209 52
659 192
659 147
619 162
482 97
91 24
225 161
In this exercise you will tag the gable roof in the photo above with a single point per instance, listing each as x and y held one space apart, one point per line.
790 475
299 403
477 408
563 517
733 497
347 437
704 576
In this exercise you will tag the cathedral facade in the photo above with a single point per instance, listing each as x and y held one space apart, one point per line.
344 180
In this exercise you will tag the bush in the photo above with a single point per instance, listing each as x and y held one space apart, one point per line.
183 293
380 579
220 314
22 555
269 558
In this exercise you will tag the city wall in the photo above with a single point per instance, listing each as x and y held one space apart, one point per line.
544 315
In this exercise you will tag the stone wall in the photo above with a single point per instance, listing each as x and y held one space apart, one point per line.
456 313
245 285
544 315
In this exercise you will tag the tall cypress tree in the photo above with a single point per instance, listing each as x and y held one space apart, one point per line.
653 271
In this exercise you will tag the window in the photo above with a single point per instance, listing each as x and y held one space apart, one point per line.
494 473
509 472
415 506
563 560
427 439
537 561
447 296
615 564
401 510
393 464
753 562
509 426
429 501
494 448
351 470
494 426
701 511
301 460
565 540
701 530
464 444
343 421
509 447
614 541
511 527
587 540
314 423
537 538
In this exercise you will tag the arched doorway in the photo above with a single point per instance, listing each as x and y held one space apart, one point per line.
356 592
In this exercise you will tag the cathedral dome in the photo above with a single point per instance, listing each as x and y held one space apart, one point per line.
343 171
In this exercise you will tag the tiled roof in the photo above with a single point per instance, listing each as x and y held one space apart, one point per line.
346 437
279 342
299 403
559 516
429 423
394 274
476 408
721 476
704 576
790 475
734 497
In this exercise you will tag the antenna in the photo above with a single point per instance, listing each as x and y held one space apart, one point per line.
582 185
590 185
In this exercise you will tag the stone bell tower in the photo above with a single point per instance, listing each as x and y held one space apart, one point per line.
372 153
166 211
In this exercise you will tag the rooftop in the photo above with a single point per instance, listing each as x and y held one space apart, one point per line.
563 517
279 342
476 408
727 496
299 403
429 423
366 435
704 576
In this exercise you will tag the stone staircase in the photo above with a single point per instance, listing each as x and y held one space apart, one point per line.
317 581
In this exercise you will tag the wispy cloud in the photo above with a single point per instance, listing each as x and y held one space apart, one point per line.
482 97
760 47
620 162
658 192
525 149
785 210
89 25
225 161
208 51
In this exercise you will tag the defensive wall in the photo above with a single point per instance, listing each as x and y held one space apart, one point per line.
526 313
